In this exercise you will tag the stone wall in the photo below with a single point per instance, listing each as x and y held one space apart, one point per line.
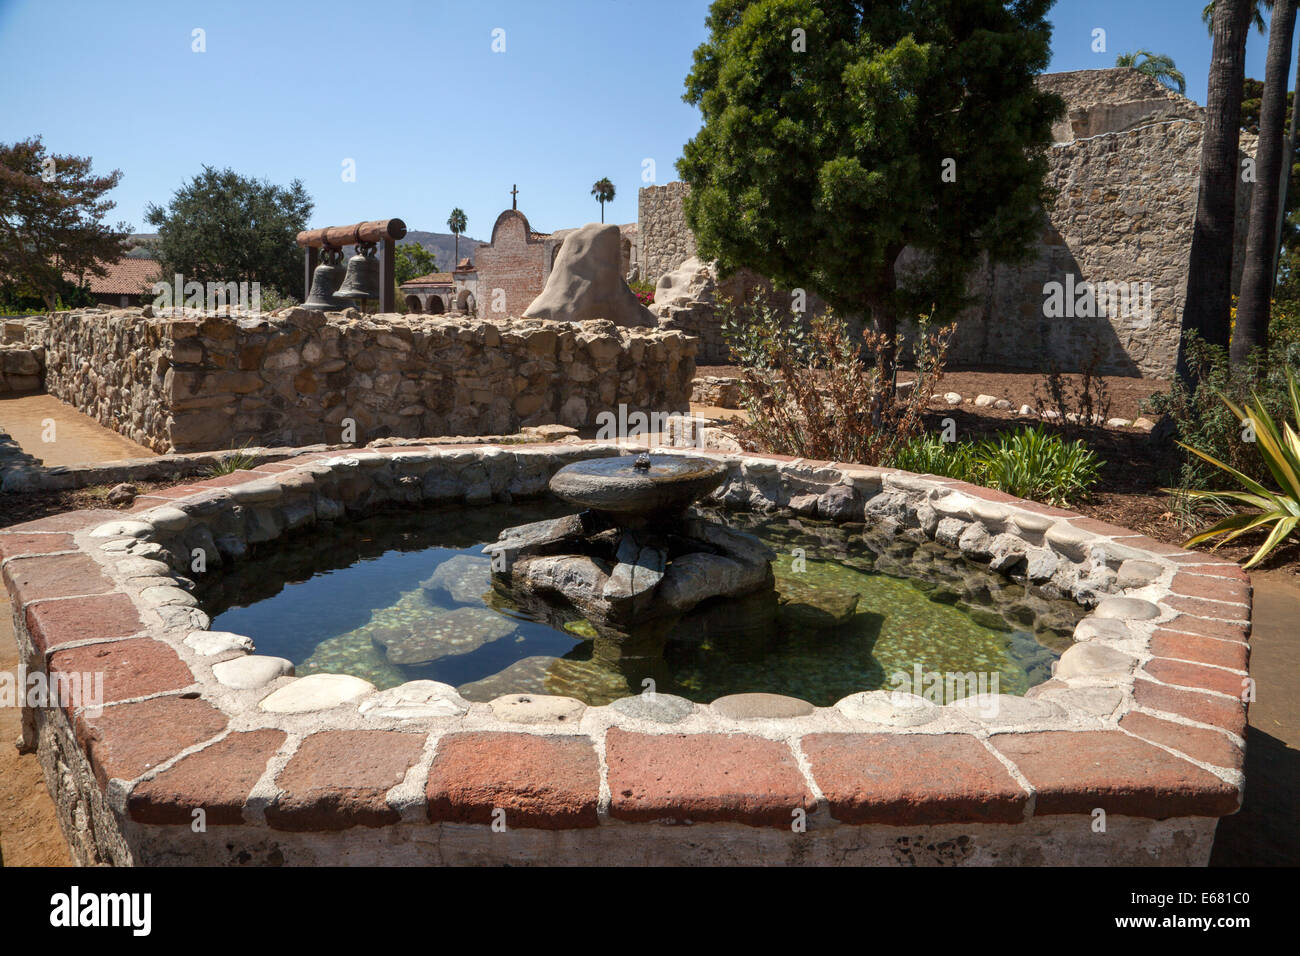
665 239
199 382
22 354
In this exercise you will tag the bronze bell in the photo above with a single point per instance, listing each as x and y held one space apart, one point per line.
362 279
324 280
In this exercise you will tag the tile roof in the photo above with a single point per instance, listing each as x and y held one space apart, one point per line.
125 277
433 278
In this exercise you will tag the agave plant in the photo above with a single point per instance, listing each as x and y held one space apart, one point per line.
1280 451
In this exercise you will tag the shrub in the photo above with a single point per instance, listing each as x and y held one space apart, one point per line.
1206 426
930 455
1279 451
809 391
1035 463
1029 463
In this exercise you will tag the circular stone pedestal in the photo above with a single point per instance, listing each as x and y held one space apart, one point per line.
618 487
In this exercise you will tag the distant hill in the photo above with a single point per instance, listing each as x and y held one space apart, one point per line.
443 246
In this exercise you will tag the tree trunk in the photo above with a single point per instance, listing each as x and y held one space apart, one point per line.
1284 178
1253 303
1209 265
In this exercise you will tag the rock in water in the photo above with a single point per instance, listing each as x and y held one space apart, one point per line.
465 577
444 635
587 282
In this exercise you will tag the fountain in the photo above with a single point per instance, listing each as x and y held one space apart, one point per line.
636 560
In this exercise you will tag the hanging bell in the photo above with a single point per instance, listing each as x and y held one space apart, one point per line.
325 279
362 279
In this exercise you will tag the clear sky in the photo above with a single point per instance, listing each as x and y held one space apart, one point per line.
415 95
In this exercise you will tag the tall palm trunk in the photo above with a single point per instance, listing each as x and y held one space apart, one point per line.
1209 265
1257 272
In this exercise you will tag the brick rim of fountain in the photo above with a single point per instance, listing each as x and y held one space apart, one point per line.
192 720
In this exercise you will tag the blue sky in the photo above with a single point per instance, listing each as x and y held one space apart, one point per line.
415 95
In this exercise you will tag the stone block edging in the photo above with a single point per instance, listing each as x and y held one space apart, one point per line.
1144 718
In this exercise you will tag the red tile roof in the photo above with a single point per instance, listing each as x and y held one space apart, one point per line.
125 277
433 278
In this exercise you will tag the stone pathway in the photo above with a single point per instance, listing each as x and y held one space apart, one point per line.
78 438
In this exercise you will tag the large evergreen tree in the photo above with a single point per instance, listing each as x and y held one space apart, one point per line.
223 227
837 134
51 219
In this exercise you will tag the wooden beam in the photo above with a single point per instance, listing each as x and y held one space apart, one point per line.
376 230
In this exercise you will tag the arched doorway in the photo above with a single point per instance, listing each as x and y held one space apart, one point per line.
435 305
413 304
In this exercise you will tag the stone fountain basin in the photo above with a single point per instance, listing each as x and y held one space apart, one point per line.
616 486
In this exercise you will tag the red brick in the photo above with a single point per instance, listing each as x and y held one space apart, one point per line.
1213 587
1042 509
1078 771
913 779
1217 610
1202 650
1230 571
217 779
131 668
1144 543
1223 712
1207 746
101 616
180 491
338 778
1101 527
546 783
128 739
66 521
145 502
55 575
1195 676
703 777
15 545
231 478
1223 630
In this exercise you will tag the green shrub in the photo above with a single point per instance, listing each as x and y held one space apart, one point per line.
1279 450
1205 423
1038 464
1029 463
930 455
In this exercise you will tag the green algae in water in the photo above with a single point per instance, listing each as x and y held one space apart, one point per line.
337 601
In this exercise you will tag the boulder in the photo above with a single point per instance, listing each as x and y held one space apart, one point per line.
587 282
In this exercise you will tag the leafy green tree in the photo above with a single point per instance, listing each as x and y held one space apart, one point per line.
457 222
603 190
838 134
223 227
412 260
1158 66
51 220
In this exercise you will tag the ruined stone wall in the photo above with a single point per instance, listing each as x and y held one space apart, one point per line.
665 240
200 382
1124 211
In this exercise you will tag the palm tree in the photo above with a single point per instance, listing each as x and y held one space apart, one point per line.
1157 66
1256 16
1209 266
1257 274
603 190
457 222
